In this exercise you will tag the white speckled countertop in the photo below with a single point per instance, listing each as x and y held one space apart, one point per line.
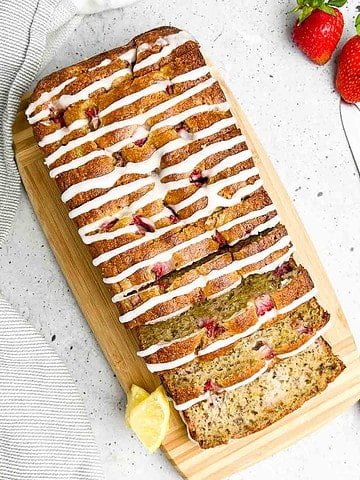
294 109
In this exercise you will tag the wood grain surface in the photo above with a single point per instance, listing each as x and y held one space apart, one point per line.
118 343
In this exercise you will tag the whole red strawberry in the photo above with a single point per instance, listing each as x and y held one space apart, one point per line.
319 28
348 73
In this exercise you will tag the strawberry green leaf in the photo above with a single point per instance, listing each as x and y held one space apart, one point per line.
336 3
327 9
357 24
305 13
299 5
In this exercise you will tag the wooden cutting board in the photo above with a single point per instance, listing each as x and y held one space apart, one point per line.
118 343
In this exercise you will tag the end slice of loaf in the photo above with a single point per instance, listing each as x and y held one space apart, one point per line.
257 405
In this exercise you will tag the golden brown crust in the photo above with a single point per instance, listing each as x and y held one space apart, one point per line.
56 78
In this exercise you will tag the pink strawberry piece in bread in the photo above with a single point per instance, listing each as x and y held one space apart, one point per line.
169 89
143 224
160 269
219 239
174 216
141 142
93 116
181 126
213 329
59 119
197 178
210 386
265 350
283 269
263 304
106 226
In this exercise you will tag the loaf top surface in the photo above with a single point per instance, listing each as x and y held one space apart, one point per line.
164 191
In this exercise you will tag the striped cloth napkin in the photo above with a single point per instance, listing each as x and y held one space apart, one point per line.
44 431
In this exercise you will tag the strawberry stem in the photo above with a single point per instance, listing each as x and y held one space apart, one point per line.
306 7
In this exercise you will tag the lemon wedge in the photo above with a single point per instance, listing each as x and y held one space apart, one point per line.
150 419
135 396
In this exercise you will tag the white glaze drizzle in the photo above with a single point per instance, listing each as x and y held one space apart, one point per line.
139 133
95 225
77 162
45 97
155 348
62 132
213 347
213 201
144 167
206 395
161 257
225 342
106 256
158 258
172 42
193 160
181 117
202 280
136 120
254 214
156 87
157 367
283 356
143 47
66 100
114 194
104 63
104 181
124 101
129 56
255 231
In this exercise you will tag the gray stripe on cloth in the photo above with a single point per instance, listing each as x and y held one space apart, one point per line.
44 430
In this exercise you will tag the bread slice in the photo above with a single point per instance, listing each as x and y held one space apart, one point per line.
258 301
189 244
205 279
183 246
245 358
276 393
